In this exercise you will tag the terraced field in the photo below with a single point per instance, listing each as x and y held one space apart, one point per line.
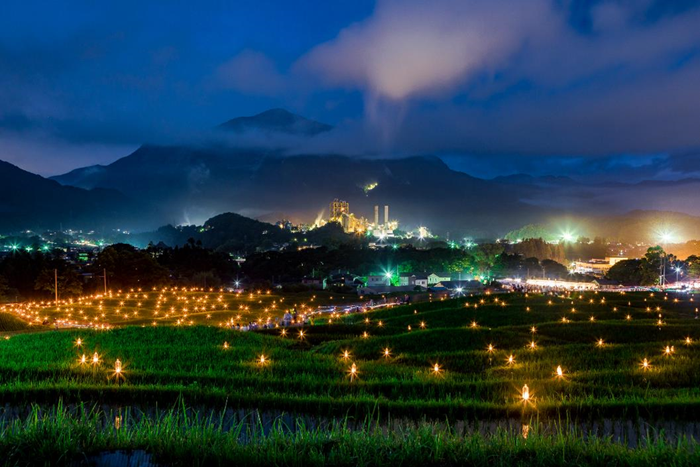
578 354
178 306
540 360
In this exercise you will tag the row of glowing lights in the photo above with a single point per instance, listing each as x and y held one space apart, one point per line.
95 361
33 311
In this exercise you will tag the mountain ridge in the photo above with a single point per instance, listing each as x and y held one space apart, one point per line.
275 120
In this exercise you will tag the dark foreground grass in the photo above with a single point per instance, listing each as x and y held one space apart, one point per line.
71 437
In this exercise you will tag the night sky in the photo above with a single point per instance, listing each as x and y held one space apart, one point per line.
597 90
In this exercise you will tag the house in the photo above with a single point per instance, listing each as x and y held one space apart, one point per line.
346 279
406 279
596 267
607 284
434 278
381 280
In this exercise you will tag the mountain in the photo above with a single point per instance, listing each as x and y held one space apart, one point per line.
526 179
233 233
190 183
276 121
29 201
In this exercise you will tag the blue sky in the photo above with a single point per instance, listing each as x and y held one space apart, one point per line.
596 90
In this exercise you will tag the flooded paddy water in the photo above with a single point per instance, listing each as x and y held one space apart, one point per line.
250 424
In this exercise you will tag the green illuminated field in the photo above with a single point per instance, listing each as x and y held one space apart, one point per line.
311 374
599 341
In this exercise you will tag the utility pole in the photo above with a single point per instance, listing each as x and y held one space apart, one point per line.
104 275
55 284
663 274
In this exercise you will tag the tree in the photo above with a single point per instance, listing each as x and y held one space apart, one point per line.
485 257
128 267
69 282
554 270
4 289
693 266
633 272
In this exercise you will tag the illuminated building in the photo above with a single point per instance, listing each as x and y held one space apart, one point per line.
338 208
340 213
413 279
434 278
596 267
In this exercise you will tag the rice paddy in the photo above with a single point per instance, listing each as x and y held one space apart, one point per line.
180 306
589 356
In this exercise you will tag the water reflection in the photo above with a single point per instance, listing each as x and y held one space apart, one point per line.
626 431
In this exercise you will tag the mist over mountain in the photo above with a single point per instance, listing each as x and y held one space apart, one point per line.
190 183
275 121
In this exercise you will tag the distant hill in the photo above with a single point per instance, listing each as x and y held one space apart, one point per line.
525 179
190 183
276 120
29 201
233 233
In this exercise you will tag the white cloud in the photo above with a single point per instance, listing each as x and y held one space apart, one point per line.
413 47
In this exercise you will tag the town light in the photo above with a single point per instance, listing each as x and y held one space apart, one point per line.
665 236
568 236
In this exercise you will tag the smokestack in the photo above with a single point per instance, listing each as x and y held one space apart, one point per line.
376 216
386 215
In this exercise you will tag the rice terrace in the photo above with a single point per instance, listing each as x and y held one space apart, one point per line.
577 375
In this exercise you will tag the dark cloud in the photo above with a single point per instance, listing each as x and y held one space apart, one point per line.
583 86
251 72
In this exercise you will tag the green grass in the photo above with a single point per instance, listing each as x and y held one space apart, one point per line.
10 323
308 375
177 437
